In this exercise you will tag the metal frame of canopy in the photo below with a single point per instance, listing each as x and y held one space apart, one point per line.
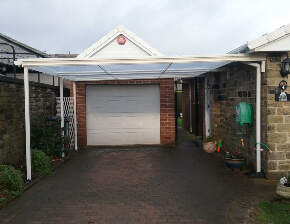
76 69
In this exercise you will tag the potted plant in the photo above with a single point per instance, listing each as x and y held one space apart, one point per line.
235 160
209 144
283 188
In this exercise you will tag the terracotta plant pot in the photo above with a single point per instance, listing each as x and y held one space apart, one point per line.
209 147
284 191
235 163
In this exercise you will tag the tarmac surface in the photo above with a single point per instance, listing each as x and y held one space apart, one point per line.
141 184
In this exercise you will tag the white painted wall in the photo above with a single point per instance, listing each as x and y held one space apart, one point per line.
114 50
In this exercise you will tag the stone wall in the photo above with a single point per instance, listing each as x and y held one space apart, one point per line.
238 84
12 121
278 120
228 89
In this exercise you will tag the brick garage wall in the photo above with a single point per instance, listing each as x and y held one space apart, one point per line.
227 90
12 120
278 120
167 109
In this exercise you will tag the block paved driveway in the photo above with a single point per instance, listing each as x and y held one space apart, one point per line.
179 184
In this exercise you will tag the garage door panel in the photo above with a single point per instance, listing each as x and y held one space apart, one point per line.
113 105
94 137
132 138
149 136
131 121
114 138
123 114
96 122
113 120
132 105
151 120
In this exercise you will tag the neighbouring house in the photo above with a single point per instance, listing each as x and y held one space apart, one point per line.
235 82
43 92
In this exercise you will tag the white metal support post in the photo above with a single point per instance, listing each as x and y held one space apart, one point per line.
190 109
27 123
75 115
61 102
61 106
258 113
207 107
258 118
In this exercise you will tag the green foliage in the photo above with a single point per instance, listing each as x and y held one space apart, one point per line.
179 102
179 122
10 179
273 212
235 155
47 136
41 163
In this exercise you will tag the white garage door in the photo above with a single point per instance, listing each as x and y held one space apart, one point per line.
123 114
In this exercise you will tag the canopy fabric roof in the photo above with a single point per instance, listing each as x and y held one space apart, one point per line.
151 67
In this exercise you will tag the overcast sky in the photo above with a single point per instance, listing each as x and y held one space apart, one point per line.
173 27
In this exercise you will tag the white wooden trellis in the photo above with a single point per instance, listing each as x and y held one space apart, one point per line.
68 107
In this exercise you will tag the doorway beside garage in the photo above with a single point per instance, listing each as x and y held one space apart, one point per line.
193 105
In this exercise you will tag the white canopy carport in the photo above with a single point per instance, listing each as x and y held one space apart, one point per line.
152 67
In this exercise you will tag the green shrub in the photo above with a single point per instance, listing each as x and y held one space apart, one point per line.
179 102
41 163
46 135
10 179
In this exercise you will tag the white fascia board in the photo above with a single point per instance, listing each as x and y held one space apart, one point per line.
281 44
287 28
99 44
120 30
257 42
269 38
276 34
145 60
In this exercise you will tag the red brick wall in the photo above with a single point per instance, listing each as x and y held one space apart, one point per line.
167 112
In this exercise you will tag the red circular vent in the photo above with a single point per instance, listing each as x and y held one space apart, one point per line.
121 40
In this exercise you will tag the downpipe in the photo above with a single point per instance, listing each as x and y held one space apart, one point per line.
258 115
